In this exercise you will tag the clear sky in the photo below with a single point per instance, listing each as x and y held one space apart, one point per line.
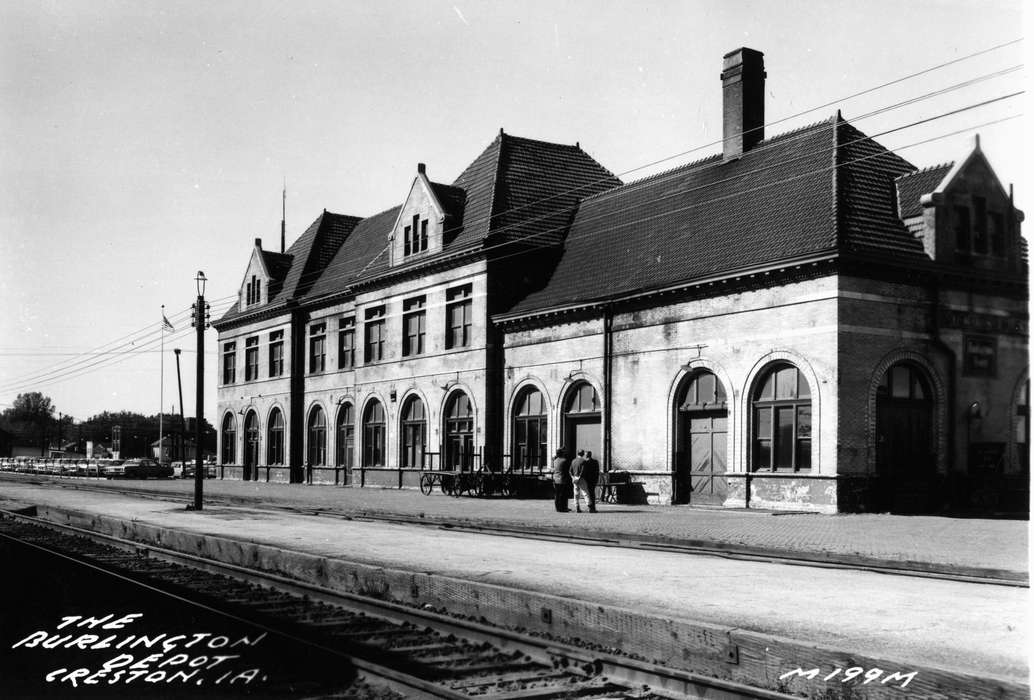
143 141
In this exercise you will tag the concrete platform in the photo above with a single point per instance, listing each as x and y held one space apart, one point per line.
951 545
747 621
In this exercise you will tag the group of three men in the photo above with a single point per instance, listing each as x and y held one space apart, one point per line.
583 472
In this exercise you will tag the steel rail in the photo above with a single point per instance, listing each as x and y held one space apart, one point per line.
570 659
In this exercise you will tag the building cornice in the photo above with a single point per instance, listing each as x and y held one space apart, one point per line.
809 265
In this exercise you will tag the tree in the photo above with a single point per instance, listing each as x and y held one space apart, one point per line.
31 415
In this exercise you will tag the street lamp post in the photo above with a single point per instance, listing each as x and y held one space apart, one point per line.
200 322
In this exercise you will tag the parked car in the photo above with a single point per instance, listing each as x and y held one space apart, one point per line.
190 467
145 469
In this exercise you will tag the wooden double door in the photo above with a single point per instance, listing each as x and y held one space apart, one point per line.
700 460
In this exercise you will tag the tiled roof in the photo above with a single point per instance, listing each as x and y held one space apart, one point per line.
308 257
452 199
867 209
365 254
539 187
782 199
277 264
914 185
513 180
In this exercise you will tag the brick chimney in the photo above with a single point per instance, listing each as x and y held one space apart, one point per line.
743 95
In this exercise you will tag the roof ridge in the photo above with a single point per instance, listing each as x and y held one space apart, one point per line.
575 146
929 168
704 160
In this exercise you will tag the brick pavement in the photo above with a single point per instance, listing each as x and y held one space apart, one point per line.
935 542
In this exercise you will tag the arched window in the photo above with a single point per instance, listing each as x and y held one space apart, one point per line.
373 435
317 455
530 430
782 420
414 430
459 432
582 422
229 439
345 438
275 441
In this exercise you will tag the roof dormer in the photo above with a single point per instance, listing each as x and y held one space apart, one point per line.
963 214
256 285
425 219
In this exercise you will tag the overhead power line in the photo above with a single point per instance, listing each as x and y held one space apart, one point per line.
155 328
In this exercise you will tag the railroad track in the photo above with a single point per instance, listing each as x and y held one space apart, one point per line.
412 652
850 563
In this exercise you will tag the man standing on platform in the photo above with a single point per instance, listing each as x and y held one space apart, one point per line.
576 477
561 481
590 477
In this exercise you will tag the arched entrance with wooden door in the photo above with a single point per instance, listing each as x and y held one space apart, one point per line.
251 446
459 432
344 440
581 422
701 440
905 452
413 432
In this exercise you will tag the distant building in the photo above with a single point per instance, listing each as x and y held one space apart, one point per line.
171 448
804 321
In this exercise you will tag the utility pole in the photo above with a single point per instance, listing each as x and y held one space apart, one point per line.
200 322
183 421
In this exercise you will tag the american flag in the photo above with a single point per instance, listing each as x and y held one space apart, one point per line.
167 324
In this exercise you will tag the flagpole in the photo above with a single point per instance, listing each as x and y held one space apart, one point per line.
161 390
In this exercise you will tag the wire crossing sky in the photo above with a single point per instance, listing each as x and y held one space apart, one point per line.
145 141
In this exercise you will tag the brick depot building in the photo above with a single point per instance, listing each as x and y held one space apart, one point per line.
805 321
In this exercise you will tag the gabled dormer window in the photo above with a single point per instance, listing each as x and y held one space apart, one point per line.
253 291
415 236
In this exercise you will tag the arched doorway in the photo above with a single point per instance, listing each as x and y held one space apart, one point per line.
317 438
581 423
344 440
701 438
905 458
229 439
459 432
530 424
251 446
414 431
373 434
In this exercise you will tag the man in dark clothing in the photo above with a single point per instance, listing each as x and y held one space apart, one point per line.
576 478
561 481
591 477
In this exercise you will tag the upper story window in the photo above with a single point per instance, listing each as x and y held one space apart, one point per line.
346 342
962 229
415 236
317 347
251 352
979 231
229 363
414 323
276 353
374 335
253 293
980 226
997 230
458 308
